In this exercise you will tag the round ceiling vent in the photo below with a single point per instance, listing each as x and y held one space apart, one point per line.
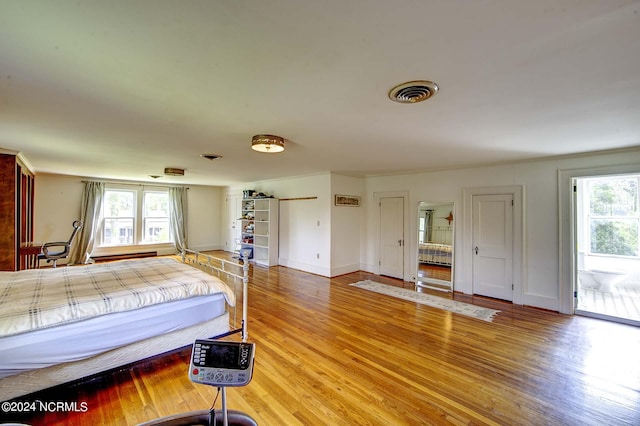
413 92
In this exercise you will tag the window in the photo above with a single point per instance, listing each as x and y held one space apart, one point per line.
614 216
119 217
134 217
156 217
421 229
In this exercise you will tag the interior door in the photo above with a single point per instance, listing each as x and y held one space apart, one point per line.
493 246
392 237
234 211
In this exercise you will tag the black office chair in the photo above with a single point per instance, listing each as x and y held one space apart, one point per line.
59 249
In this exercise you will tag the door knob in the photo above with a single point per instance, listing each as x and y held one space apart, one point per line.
476 249
400 242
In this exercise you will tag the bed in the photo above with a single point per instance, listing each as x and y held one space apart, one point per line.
64 324
435 253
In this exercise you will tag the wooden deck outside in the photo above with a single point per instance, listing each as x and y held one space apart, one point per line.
622 302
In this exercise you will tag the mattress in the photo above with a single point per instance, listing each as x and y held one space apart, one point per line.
42 378
80 340
435 253
41 298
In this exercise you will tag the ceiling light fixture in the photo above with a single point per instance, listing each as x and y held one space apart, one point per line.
172 171
267 143
412 92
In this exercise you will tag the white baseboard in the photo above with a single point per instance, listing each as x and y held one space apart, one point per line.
305 267
341 270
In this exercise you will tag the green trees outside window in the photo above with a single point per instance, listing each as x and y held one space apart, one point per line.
614 216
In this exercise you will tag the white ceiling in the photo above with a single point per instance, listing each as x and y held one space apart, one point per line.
122 89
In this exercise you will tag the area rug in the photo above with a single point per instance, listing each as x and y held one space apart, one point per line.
478 312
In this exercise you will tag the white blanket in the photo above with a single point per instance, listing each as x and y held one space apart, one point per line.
40 298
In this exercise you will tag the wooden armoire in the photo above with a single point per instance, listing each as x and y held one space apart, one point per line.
17 186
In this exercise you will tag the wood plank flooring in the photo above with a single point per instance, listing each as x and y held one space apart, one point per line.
328 353
439 272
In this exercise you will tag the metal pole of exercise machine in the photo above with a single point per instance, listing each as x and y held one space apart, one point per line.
245 334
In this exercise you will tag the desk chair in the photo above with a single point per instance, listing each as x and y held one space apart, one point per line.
59 249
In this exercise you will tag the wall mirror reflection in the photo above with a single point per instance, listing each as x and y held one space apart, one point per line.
435 245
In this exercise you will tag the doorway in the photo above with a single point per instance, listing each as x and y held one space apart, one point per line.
507 201
233 227
392 237
607 253
493 246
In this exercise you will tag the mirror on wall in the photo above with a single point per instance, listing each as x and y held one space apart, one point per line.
435 245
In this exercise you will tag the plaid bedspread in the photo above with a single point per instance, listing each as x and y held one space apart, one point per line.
40 298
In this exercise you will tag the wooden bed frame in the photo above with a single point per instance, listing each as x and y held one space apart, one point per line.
35 380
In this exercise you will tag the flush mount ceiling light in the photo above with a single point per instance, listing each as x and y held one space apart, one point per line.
172 171
413 91
267 143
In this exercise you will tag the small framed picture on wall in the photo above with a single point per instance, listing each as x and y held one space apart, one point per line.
347 200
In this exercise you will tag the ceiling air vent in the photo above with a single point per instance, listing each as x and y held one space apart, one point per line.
211 156
413 92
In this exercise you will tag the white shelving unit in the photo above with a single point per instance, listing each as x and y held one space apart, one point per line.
260 229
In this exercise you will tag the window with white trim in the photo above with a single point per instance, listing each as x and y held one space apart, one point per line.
134 217
614 216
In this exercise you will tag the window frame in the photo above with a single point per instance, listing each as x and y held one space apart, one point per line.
138 242
144 219
591 217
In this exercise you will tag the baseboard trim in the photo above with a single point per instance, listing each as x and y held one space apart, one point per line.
112 257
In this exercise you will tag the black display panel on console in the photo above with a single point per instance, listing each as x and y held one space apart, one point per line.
218 363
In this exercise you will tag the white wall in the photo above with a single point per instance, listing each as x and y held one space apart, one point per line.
315 235
57 204
205 210
541 283
318 238
305 220
347 226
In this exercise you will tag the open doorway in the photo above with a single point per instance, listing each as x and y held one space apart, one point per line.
607 235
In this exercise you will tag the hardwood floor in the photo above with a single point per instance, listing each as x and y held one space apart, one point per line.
328 353
439 272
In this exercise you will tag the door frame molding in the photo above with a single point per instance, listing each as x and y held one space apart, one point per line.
517 192
377 196
566 227
226 230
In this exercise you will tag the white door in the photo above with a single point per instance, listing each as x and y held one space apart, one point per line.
392 237
234 211
493 246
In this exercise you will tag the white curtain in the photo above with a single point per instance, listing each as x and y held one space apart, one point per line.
178 216
91 217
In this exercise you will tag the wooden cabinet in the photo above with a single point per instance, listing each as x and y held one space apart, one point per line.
16 210
260 229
